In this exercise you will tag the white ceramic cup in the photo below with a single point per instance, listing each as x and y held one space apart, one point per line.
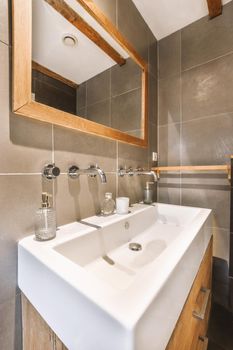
122 205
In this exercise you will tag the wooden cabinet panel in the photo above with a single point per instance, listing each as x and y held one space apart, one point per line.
37 335
189 329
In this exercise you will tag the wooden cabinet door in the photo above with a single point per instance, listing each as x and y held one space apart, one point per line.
37 335
189 329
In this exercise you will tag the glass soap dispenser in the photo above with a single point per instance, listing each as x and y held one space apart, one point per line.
108 205
45 220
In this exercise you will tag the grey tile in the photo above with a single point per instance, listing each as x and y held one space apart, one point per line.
80 198
221 245
152 143
8 267
100 113
169 191
73 147
125 78
137 133
98 88
206 89
152 62
220 328
126 111
20 197
153 100
220 271
4 26
81 96
10 325
169 100
136 30
47 93
82 112
168 195
55 83
132 156
205 40
215 197
169 55
25 144
132 187
220 281
207 141
108 8
169 144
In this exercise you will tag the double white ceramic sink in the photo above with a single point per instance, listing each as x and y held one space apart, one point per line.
95 292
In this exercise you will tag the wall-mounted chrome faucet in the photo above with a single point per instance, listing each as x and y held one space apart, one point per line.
74 172
50 171
138 171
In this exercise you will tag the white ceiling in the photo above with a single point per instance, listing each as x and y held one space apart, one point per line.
165 17
78 63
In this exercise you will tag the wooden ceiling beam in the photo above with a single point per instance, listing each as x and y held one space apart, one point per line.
215 8
74 18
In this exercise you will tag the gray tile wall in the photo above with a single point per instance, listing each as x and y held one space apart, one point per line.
195 119
53 92
113 98
27 145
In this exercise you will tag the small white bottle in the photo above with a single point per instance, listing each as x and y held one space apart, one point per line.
108 205
45 220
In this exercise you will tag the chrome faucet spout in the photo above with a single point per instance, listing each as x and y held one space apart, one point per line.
139 171
74 172
101 174
144 172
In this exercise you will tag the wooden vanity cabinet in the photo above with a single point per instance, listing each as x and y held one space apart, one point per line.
190 331
37 335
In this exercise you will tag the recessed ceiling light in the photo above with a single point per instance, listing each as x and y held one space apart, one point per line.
69 40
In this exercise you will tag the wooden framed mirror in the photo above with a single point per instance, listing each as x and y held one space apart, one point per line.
40 29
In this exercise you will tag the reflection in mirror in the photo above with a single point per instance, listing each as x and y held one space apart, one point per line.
71 73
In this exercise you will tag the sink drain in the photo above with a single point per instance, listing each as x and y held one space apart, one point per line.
135 247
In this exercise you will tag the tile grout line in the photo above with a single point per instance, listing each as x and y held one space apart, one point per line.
196 119
198 65
209 61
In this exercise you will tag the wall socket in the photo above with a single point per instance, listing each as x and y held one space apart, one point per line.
154 156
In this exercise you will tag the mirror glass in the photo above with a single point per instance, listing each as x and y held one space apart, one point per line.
72 73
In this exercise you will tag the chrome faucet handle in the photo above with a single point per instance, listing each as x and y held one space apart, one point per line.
130 171
50 171
121 172
93 167
72 172
139 170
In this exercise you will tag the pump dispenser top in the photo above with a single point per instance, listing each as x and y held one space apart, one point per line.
45 220
45 200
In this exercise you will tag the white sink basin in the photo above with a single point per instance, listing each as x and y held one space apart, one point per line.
96 293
